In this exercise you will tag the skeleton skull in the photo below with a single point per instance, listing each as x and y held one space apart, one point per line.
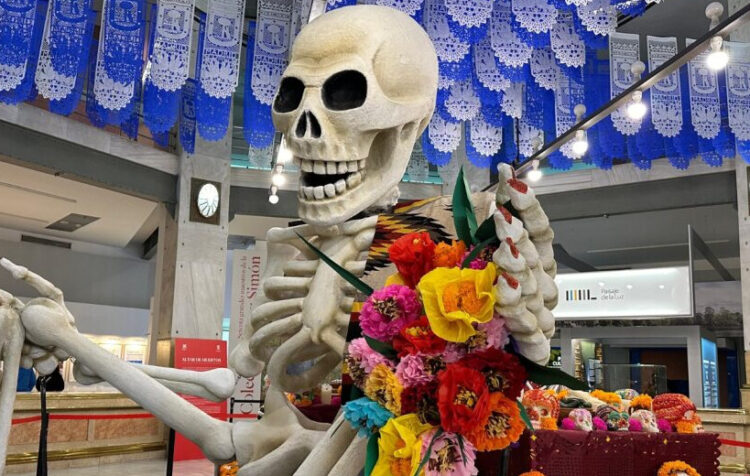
540 404
647 419
582 419
358 91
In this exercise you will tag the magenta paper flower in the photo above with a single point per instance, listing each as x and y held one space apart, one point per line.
446 457
496 333
411 371
388 310
367 358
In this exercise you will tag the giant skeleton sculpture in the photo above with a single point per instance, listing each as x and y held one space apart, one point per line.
359 89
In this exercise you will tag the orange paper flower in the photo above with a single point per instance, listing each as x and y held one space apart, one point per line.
412 254
449 255
501 427
549 423
641 402
671 468
610 398
532 473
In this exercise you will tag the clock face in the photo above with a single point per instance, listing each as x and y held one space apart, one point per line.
208 200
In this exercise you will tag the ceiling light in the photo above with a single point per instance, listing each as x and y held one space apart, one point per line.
580 144
283 155
278 179
534 174
718 58
273 199
637 109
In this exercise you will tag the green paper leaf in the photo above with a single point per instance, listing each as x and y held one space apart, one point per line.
477 249
372 453
486 230
429 451
348 276
463 211
549 376
382 348
525 416
461 446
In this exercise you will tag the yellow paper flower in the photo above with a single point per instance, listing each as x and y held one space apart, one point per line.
383 386
395 278
454 299
399 446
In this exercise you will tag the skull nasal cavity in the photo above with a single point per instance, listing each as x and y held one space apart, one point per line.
307 120
345 90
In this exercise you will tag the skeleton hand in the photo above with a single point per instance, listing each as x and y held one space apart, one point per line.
11 342
43 357
527 291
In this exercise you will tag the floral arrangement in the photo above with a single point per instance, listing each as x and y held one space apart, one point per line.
438 382
675 468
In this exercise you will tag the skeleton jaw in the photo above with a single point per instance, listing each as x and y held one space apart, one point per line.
323 179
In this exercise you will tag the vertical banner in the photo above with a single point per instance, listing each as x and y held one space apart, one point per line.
624 50
247 274
187 116
666 95
738 89
271 48
705 105
170 58
198 355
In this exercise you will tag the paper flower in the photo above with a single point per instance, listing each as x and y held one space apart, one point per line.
449 255
483 258
418 337
599 424
462 398
496 332
399 446
448 456
642 402
664 425
422 400
502 371
411 371
383 386
674 468
388 310
365 356
412 255
455 299
501 427
366 416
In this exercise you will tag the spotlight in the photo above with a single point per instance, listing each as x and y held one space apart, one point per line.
284 155
637 109
580 144
273 199
718 58
534 174
278 179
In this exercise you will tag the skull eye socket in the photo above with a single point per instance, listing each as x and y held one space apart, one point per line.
289 95
345 90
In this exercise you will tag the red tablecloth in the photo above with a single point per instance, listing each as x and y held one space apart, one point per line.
320 413
578 453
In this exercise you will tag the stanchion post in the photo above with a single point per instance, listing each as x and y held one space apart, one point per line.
170 452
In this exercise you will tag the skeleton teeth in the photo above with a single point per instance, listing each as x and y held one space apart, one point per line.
353 180
330 190
318 192
331 168
340 186
307 165
352 166
341 167
362 164
308 192
319 168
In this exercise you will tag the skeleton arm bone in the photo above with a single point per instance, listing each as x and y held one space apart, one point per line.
11 345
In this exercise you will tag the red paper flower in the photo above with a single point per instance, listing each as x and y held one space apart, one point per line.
462 398
418 338
422 400
413 255
502 370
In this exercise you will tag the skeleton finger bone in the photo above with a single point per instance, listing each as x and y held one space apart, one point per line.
44 287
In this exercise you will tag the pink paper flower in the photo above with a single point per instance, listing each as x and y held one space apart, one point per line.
411 371
446 458
453 353
567 424
367 358
664 425
388 310
635 425
496 332
599 424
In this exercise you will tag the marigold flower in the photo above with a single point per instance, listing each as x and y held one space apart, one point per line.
383 386
532 473
412 255
455 299
462 398
549 423
673 468
449 255
641 402
399 446
501 427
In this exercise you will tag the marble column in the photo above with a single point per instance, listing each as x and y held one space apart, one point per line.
191 257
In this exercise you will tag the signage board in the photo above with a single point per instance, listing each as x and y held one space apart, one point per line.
636 293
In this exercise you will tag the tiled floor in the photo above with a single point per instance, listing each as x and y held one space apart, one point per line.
137 468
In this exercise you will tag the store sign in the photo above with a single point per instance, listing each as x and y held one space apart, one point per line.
198 355
247 273
638 293
710 373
